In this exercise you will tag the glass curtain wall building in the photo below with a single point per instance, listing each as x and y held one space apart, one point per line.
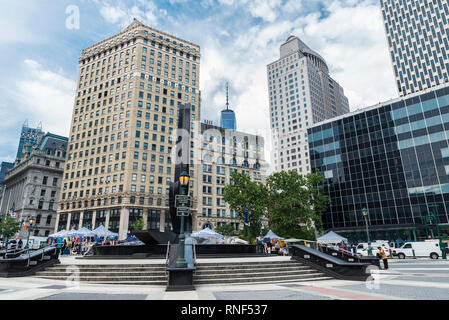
393 159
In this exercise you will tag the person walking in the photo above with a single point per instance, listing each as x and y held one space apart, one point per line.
383 256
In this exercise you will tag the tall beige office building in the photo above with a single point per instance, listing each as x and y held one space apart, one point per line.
119 159
301 93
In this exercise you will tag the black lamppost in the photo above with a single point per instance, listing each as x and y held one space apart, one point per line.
181 262
433 217
31 221
365 214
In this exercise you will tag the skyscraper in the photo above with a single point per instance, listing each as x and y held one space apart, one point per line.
227 120
120 163
301 93
418 38
28 135
392 159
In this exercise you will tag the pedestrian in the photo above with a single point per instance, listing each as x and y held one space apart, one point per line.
354 250
20 244
383 256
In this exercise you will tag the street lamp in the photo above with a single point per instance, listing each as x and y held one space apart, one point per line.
365 214
428 219
181 262
31 221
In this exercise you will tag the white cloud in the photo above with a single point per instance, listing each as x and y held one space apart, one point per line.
144 10
46 96
265 9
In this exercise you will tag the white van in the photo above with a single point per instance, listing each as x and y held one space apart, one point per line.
428 248
362 248
35 242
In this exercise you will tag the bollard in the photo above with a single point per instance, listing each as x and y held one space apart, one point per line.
414 256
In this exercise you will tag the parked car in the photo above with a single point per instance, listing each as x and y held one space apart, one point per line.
428 248
362 248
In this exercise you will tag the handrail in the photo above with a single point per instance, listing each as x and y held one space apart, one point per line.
194 254
166 255
166 258
16 252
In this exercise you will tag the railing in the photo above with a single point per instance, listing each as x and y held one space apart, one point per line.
194 255
167 257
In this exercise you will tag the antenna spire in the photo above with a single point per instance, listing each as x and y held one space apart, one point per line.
227 96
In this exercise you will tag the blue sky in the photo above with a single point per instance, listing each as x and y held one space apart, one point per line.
238 38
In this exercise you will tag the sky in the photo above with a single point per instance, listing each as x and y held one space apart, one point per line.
42 40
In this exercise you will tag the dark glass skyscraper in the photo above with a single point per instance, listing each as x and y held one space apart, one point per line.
393 159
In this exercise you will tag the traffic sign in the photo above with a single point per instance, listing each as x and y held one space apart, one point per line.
183 201
183 212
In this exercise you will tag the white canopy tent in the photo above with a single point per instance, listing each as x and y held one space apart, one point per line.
272 235
101 231
59 234
82 232
331 237
207 234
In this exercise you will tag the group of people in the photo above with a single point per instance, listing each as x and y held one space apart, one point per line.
80 245
274 246
352 249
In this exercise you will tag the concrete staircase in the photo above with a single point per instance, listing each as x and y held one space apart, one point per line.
212 273
131 274
255 272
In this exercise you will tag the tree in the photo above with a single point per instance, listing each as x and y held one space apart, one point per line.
295 204
226 230
243 194
138 225
8 227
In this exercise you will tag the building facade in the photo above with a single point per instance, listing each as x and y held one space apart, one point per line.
32 186
224 151
418 38
119 160
301 93
392 159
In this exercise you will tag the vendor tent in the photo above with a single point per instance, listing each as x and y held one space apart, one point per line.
293 240
59 234
331 237
207 234
271 235
101 231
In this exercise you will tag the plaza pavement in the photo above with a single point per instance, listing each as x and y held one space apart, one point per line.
422 279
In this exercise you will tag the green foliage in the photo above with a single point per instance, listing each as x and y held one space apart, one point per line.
9 227
292 203
139 225
295 204
226 230
244 194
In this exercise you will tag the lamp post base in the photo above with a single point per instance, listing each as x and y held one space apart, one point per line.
180 279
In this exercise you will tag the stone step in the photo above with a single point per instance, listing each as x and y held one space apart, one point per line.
103 266
111 279
63 269
275 279
237 268
252 274
105 274
252 264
